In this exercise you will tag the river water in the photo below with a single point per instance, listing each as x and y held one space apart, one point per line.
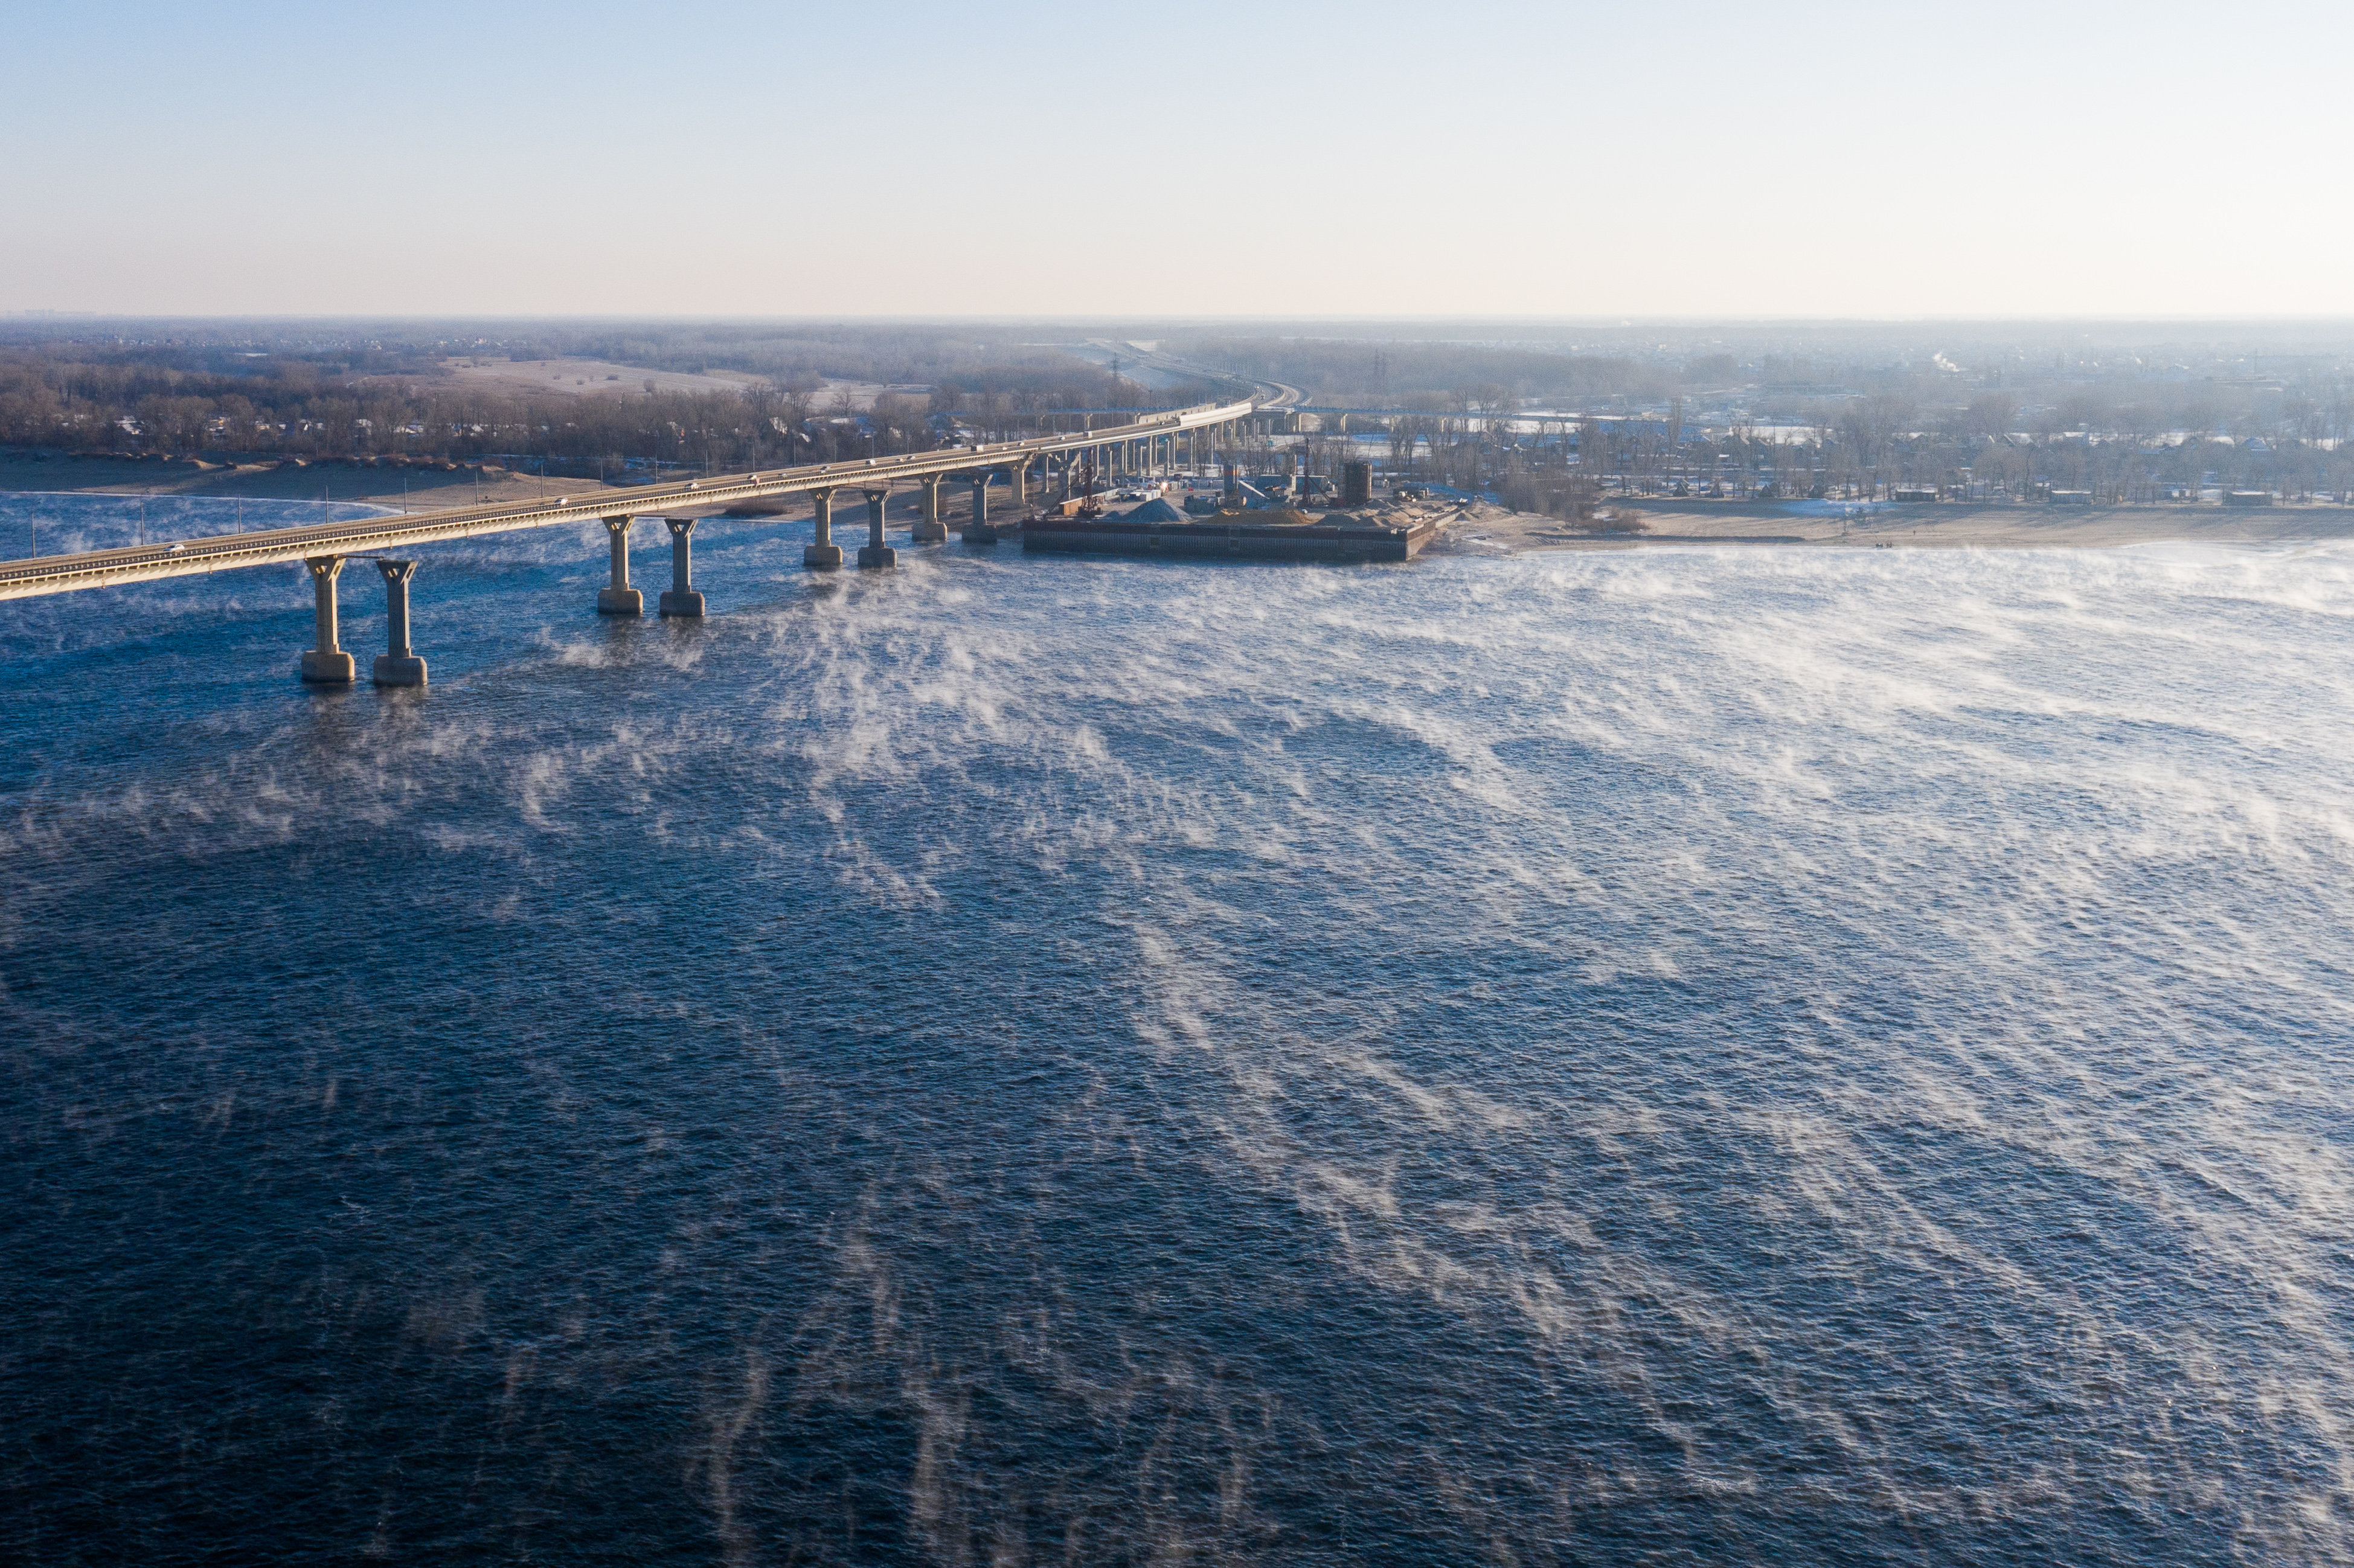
1699 1056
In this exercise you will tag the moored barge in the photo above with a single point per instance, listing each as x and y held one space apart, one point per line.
1269 536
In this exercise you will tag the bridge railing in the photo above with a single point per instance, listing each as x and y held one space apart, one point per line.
149 563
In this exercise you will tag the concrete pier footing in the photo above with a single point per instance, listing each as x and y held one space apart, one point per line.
930 530
824 554
876 553
398 664
978 530
680 598
326 664
619 598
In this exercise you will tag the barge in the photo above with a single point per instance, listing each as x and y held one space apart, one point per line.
1267 535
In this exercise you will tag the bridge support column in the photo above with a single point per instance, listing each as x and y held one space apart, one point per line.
326 664
877 553
978 531
932 530
682 598
398 664
620 599
824 556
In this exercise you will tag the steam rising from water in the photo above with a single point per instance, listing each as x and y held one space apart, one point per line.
1729 1055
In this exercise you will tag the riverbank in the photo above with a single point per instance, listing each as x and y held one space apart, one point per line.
418 486
1927 525
1475 525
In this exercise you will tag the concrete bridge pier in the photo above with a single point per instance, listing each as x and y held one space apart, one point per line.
620 599
932 530
681 598
326 664
876 553
398 664
824 556
978 531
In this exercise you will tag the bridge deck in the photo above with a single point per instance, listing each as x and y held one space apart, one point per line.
228 552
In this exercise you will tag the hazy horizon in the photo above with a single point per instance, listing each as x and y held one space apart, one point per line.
1806 162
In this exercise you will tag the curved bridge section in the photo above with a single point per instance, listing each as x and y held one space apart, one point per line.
373 535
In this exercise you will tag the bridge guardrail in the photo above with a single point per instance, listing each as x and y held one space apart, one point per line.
231 552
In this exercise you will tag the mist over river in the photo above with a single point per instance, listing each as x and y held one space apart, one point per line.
1691 1055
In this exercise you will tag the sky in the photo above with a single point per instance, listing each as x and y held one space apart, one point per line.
1213 159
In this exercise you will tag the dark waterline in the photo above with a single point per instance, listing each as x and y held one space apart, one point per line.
1703 1056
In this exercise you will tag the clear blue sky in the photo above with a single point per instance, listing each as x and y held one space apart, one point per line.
695 158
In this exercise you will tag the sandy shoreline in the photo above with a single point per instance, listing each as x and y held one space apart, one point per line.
384 487
416 489
1935 525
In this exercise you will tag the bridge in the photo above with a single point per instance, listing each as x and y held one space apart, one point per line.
1140 447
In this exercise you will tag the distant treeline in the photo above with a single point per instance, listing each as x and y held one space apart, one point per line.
1437 375
2034 413
1432 375
230 391
1871 447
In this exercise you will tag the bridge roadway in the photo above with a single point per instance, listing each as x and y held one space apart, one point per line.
109 569
324 547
